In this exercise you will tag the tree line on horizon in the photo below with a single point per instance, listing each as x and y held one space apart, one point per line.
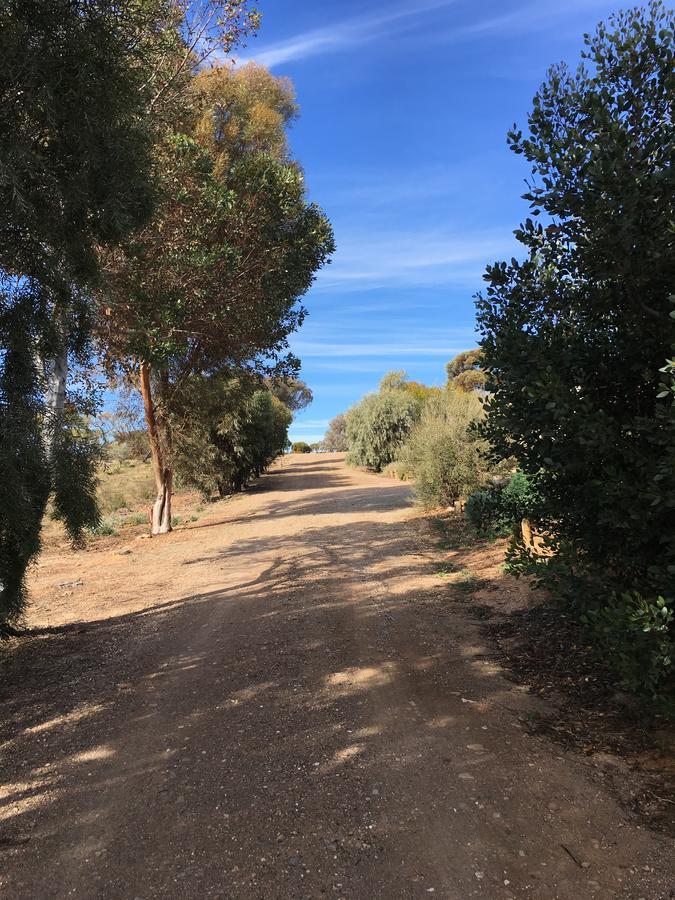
155 237
576 348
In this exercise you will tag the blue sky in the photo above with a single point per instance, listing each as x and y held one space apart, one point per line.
404 112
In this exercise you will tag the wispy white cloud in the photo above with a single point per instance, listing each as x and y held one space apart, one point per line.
362 30
310 424
403 259
525 19
376 340
348 33
373 189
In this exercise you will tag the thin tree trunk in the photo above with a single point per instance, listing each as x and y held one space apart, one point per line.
160 515
56 374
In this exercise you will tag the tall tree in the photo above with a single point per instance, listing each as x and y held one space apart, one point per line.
85 86
73 174
574 336
211 285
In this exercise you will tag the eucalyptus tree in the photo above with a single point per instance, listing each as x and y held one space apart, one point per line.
85 87
211 285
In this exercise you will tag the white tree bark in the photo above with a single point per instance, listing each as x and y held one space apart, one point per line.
56 374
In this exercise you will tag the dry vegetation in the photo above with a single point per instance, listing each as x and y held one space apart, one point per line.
125 493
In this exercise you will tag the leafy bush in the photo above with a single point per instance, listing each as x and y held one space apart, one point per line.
484 513
229 433
575 337
638 635
378 426
300 447
500 509
443 455
105 528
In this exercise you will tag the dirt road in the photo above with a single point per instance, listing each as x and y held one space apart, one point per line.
286 701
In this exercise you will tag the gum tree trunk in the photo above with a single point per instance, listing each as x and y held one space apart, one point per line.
56 375
160 514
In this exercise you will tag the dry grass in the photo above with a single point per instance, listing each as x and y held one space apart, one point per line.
125 494
125 486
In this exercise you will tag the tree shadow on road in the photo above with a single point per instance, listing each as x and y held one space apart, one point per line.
271 720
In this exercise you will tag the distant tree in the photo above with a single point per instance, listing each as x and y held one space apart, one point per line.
335 440
123 426
398 380
293 392
378 426
465 371
300 447
395 380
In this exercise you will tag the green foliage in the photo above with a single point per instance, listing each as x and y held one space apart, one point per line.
378 426
335 439
104 528
443 455
73 139
228 433
76 458
576 336
398 380
233 232
24 473
638 635
291 391
500 509
300 447
483 512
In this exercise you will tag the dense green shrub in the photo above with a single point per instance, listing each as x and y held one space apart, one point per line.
483 511
378 426
575 337
499 509
229 434
300 447
77 458
443 455
24 471
637 634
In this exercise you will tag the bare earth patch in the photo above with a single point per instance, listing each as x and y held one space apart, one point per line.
292 698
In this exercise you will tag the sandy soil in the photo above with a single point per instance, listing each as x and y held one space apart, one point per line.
285 700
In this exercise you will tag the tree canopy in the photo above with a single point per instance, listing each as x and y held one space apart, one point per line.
212 284
575 335
465 371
